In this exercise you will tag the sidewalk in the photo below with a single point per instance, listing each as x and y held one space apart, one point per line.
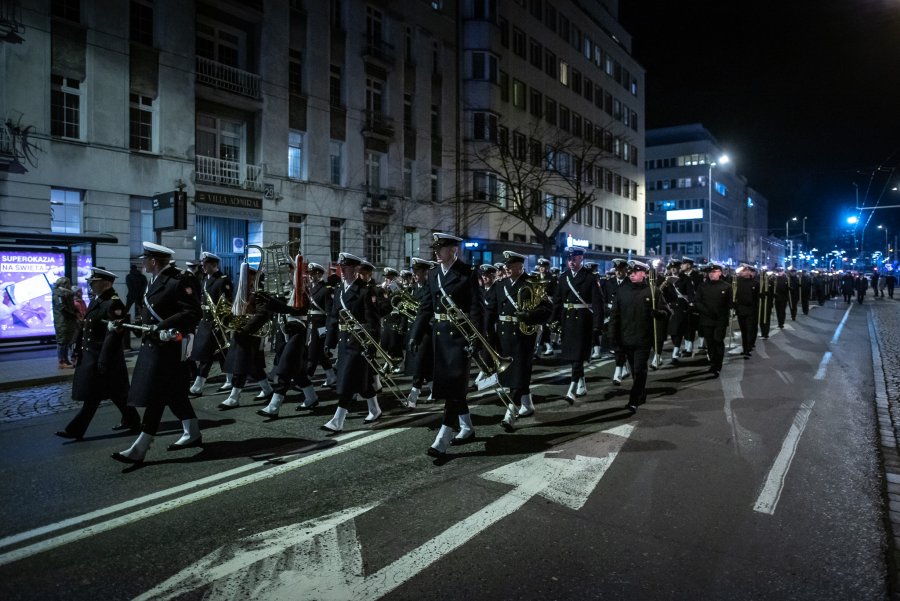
34 368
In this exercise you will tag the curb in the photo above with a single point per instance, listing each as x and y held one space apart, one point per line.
890 455
17 384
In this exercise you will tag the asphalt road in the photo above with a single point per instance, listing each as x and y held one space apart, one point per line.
762 484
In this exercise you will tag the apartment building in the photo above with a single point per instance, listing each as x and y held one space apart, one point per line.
698 205
553 109
329 124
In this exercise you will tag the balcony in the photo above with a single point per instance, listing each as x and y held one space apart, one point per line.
378 202
379 51
219 172
230 79
378 126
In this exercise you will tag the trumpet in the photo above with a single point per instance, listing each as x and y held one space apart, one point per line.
215 313
403 303
377 358
498 364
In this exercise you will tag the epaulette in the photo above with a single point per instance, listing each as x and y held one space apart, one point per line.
115 297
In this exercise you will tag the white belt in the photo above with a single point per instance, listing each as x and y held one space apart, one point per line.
511 318
576 306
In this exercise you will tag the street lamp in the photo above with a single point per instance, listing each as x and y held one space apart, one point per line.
887 246
722 160
787 235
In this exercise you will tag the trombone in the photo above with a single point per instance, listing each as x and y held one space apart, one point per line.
402 302
498 364
377 358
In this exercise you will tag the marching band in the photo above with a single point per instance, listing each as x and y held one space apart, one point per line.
430 322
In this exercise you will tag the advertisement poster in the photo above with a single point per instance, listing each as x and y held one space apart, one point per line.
26 287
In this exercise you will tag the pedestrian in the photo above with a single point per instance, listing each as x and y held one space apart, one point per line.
100 370
882 284
780 286
161 372
136 283
578 307
848 286
453 312
793 291
805 291
862 285
713 302
631 322
65 320
891 279
875 278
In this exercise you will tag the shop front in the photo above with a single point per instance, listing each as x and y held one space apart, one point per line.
225 225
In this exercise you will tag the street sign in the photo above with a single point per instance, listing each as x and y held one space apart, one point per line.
170 211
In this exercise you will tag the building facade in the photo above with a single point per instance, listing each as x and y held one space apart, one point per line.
328 125
553 109
698 205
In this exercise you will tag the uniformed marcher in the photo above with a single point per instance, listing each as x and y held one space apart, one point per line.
793 291
358 301
549 282
766 301
611 288
100 371
746 305
490 283
713 301
160 374
692 279
452 287
781 288
320 294
515 323
578 307
805 291
631 327
420 363
393 325
292 321
246 355
214 285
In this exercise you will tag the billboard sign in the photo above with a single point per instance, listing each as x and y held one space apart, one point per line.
26 289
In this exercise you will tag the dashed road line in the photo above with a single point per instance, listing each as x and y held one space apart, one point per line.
771 491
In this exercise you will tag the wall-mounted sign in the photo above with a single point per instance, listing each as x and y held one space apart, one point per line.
214 204
170 211
570 241
237 245
684 214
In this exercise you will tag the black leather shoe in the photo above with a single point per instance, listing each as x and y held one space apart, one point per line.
329 430
508 426
302 407
124 426
224 407
69 435
631 408
459 441
123 459
526 414
190 445
264 413
433 452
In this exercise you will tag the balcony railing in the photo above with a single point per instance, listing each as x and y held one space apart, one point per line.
227 78
380 51
378 201
211 170
378 125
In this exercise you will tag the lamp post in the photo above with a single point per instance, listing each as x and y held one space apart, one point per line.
790 243
887 246
722 160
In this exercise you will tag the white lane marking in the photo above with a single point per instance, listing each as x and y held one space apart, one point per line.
322 558
99 513
771 491
837 332
76 535
820 374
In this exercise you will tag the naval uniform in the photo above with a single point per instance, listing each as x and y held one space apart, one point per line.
713 301
505 314
161 373
578 307
747 309
100 372
354 375
206 350
451 354
320 295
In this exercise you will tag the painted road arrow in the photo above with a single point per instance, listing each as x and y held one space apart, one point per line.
321 559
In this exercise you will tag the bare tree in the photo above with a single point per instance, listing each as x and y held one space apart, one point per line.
541 179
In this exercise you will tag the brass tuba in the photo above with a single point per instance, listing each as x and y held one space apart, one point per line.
218 312
274 277
529 297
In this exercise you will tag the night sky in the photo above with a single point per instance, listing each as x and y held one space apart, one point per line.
803 95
